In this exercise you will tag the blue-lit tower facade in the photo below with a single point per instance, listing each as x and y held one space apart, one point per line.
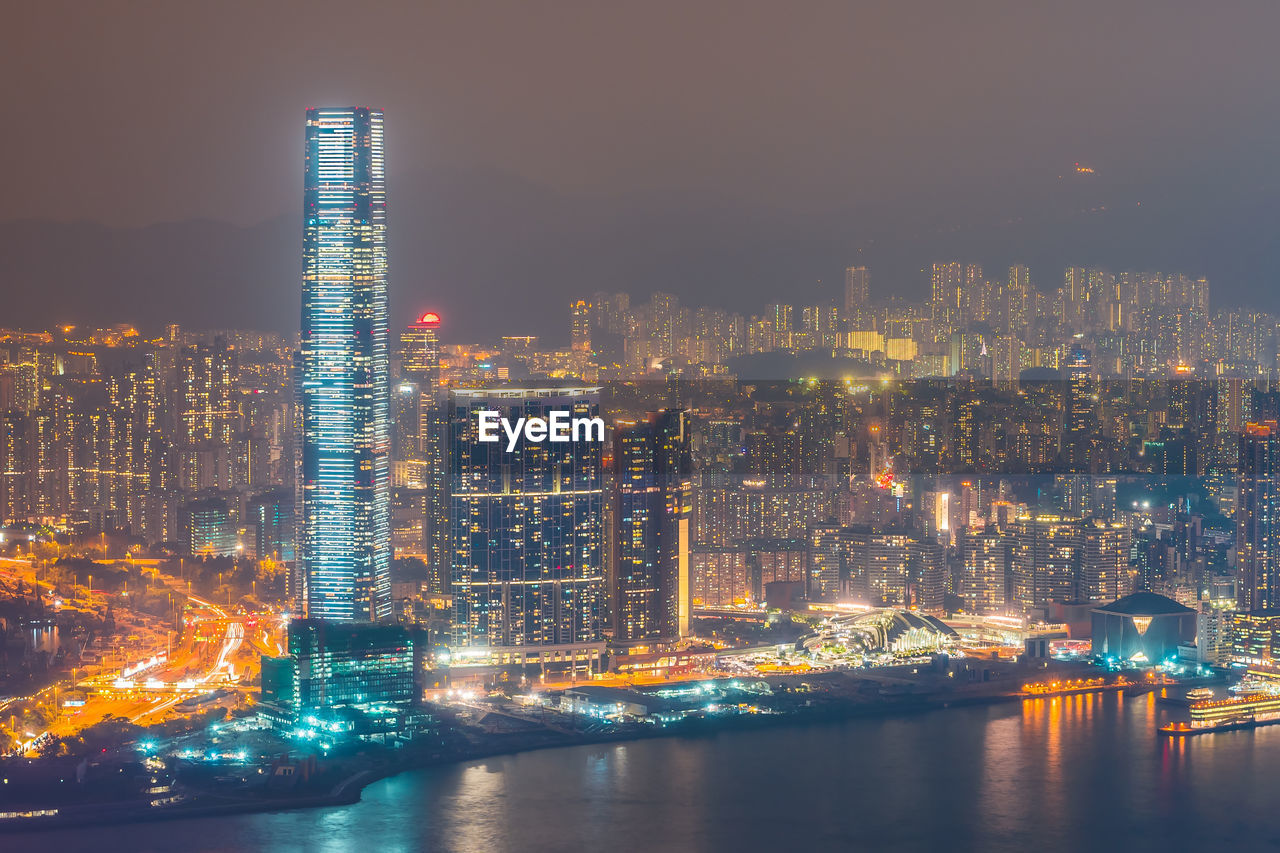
345 378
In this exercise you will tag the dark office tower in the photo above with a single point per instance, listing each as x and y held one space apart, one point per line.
1080 420
527 526
652 501
271 514
1257 519
346 442
857 289
406 418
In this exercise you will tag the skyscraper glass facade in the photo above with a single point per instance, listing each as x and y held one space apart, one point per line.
1258 519
526 525
345 540
652 502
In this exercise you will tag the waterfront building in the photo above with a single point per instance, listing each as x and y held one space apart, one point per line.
1255 637
1142 628
927 570
342 679
345 383
885 630
344 674
526 531
1213 635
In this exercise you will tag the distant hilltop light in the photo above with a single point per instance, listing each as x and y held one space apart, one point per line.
429 318
1083 170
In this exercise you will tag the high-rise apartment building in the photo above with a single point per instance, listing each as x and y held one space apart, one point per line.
1257 517
527 531
1104 561
652 503
857 288
1045 560
420 367
1080 417
345 384
984 571
420 350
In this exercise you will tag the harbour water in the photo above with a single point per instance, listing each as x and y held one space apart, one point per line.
1083 772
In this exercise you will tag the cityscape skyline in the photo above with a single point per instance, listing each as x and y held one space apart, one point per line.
751 425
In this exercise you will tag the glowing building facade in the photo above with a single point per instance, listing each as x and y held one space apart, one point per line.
1258 519
346 535
527 528
652 503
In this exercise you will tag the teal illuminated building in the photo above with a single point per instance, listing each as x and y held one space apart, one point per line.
349 671
345 540
342 680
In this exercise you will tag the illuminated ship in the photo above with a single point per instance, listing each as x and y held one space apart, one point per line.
1238 712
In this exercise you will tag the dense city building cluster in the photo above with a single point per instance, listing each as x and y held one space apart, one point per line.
997 450
992 327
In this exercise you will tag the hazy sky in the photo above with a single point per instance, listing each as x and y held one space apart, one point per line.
734 153
135 113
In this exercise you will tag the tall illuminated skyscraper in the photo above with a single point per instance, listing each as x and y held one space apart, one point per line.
420 356
345 383
527 533
1080 418
1258 519
652 502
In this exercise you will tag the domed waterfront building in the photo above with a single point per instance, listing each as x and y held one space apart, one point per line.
1142 628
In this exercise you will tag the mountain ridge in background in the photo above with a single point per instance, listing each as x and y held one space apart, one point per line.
496 254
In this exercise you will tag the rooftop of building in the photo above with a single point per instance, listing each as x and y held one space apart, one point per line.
598 694
1144 604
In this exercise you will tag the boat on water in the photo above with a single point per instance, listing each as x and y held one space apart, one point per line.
1200 693
1245 711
